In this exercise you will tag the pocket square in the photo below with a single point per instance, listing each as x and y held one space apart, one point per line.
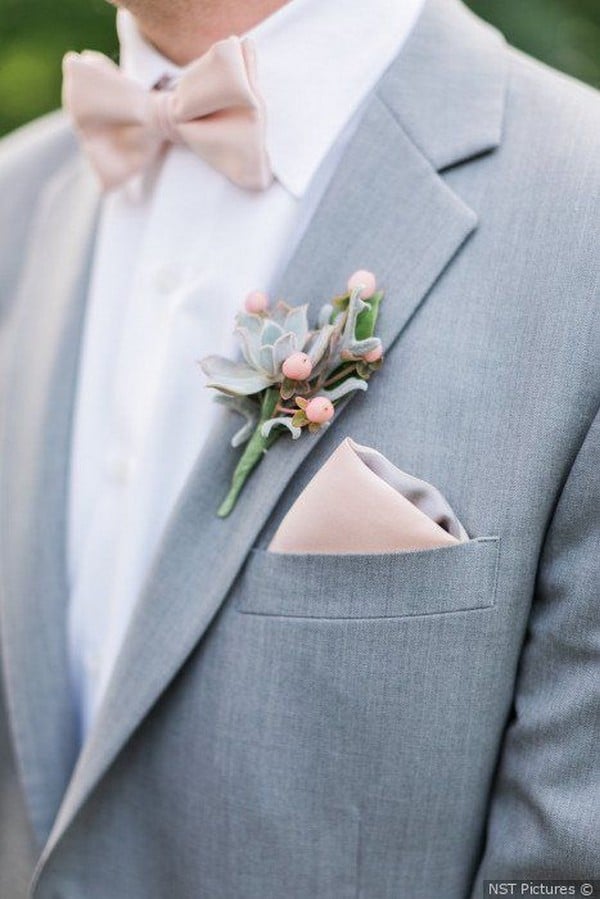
358 502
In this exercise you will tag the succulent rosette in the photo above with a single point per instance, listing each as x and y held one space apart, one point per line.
291 377
267 341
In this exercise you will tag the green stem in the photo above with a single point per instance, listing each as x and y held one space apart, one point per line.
342 372
255 450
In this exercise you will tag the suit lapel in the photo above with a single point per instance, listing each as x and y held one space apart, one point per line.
387 209
34 478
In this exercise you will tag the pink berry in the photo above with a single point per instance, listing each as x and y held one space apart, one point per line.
363 279
256 302
319 410
297 367
374 355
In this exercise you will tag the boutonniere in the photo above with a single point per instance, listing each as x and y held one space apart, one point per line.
292 376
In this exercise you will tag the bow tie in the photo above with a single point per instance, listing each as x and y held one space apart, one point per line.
214 108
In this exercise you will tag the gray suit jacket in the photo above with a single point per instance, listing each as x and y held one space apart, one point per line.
390 727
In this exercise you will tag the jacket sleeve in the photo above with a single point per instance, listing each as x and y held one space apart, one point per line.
544 812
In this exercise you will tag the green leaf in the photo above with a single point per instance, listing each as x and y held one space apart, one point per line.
299 419
365 323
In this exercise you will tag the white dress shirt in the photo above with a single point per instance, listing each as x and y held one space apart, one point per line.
176 253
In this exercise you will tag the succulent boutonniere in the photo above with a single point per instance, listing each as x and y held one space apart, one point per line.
293 377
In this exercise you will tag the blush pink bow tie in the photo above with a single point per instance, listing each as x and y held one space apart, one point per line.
214 108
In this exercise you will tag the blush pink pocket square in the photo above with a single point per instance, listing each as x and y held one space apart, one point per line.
358 502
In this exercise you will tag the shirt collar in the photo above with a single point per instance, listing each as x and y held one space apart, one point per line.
317 62
139 60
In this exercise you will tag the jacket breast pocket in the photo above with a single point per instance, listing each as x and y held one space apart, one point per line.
390 585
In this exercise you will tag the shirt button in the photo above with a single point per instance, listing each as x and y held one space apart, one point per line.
167 279
121 467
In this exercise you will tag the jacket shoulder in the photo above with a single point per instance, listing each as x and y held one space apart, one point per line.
545 184
29 159
559 115
549 160
37 149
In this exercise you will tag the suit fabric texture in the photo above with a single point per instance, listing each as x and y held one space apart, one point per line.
399 726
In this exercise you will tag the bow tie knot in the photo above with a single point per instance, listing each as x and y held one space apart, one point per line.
215 109
162 115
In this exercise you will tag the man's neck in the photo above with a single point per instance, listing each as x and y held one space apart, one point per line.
182 30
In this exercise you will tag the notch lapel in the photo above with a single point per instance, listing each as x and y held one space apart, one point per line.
388 210
33 500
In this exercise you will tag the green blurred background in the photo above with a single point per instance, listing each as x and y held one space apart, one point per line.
34 34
